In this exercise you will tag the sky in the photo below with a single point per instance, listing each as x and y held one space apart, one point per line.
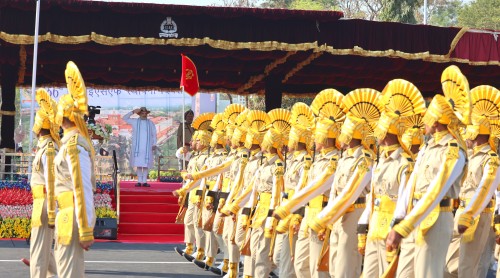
177 2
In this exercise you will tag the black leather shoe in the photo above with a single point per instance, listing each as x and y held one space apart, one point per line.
217 271
179 251
188 257
200 264
138 184
145 185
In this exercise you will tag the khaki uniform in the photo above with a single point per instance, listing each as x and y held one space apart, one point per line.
346 204
236 231
189 232
438 167
216 158
42 262
75 220
266 192
314 194
196 200
294 179
389 175
477 203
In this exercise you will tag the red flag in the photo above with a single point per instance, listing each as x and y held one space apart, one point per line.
189 78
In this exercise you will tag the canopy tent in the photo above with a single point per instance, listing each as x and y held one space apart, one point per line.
236 50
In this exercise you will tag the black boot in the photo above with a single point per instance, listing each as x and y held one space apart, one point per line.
201 264
179 251
138 184
145 185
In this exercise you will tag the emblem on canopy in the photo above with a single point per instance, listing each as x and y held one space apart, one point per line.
168 28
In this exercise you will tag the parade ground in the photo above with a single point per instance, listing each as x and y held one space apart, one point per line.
114 259
110 259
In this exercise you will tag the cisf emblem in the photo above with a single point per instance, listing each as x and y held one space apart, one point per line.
168 28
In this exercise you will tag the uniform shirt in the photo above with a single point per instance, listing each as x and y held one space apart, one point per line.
82 184
388 177
242 196
40 173
320 178
480 181
351 181
295 170
425 181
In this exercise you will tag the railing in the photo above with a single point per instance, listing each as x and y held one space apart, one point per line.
168 164
12 164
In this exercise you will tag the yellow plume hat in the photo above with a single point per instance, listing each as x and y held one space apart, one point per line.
400 99
202 125
240 128
218 124
363 109
232 111
257 122
329 110
47 111
302 120
278 129
455 106
414 134
485 107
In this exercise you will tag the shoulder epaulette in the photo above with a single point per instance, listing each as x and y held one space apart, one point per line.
494 160
307 158
73 140
369 154
408 157
453 144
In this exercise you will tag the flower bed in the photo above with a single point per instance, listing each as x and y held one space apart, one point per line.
15 209
103 201
16 204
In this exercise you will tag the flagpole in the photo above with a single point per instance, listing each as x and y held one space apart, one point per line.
33 84
183 129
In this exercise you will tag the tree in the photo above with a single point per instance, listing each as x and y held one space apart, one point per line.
240 3
444 12
400 11
483 14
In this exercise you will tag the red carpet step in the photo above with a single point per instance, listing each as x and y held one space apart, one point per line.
147 214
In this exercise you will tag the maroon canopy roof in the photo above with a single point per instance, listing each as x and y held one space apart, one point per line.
235 49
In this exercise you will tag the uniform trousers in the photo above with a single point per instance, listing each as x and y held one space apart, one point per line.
42 262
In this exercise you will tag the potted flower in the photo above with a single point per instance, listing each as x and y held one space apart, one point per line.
99 132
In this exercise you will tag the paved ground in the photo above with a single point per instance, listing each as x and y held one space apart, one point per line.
112 259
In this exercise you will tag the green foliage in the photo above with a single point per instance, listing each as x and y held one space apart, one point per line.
483 14
400 11
445 14
306 5
287 102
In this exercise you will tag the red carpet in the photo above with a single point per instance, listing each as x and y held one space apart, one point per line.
147 214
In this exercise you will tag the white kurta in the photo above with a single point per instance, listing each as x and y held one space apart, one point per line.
143 140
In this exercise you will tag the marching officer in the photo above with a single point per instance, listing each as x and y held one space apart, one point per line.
42 262
347 200
474 215
432 185
401 101
74 179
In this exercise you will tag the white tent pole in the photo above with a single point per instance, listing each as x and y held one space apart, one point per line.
33 83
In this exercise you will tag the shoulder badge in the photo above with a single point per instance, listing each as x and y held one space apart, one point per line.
73 140
493 161
245 155
280 170
453 149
